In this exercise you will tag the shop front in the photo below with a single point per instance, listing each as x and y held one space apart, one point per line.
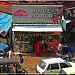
26 38
35 23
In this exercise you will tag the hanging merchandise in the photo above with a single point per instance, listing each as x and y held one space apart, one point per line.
23 48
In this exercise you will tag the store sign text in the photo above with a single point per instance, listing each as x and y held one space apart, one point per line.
45 13
38 14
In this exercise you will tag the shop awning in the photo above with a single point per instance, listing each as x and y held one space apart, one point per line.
5 23
36 29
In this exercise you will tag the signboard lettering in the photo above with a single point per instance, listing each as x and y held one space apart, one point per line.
37 14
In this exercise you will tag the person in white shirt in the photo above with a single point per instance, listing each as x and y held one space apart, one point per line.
10 53
60 47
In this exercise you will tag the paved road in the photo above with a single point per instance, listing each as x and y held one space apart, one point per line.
31 60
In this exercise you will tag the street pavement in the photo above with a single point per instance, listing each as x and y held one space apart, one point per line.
31 60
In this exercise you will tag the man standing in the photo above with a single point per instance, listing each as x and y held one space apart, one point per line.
21 61
60 47
10 52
